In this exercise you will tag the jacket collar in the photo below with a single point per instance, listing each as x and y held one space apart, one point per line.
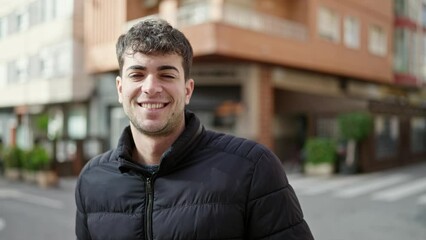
172 157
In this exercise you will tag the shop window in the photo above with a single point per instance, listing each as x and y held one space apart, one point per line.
219 107
328 24
377 40
66 150
150 3
386 136
226 114
118 121
327 128
56 123
418 135
77 123
401 51
351 32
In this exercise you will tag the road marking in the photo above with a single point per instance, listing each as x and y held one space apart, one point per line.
2 224
8 193
371 186
30 198
332 184
401 191
301 183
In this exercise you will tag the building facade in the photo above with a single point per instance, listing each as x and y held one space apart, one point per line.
281 71
275 71
42 74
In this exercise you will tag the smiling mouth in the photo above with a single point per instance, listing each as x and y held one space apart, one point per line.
153 105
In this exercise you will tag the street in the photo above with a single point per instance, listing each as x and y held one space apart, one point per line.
30 212
388 205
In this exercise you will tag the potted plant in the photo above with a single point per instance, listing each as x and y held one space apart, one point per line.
41 163
354 128
12 157
27 167
320 156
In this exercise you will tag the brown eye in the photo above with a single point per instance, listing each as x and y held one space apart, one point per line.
136 76
168 76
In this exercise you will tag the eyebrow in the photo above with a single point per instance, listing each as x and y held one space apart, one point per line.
136 67
167 67
160 68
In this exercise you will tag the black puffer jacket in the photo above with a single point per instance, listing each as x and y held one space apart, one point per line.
208 186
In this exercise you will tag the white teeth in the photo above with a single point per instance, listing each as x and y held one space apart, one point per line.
152 105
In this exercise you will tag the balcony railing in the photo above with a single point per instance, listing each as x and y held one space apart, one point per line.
204 11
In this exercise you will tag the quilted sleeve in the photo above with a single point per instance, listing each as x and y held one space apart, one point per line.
274 211
81 229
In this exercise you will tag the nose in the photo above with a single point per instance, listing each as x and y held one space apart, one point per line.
151 85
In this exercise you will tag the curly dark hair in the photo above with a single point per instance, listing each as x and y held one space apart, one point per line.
155 37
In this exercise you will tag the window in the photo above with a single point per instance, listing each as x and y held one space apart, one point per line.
423 67
424 14
46 63
328 24
150 3
3 74
77 122
3 27
351 32
327 127
21 70
400 7
48 9
386 136
414 11
56 60
418 135
34 10
65 9
63 62
377 40
22 20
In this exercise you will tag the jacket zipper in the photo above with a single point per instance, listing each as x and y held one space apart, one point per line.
149 206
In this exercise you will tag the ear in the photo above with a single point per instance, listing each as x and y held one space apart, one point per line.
118 84
189 88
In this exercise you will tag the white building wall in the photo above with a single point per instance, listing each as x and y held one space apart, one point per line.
39 64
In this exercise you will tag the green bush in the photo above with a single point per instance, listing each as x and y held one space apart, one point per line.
38 159
12 157
320 150
355 125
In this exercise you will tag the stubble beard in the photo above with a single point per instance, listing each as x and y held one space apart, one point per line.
171 125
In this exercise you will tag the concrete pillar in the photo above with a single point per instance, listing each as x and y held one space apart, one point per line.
266 106
248 124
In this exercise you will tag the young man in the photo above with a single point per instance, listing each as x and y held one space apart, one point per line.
169 178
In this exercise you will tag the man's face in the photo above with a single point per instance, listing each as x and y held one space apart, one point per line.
154 93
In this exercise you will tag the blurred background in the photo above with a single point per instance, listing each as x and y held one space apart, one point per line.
335 88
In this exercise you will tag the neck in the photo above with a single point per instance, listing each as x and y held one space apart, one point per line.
149 149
